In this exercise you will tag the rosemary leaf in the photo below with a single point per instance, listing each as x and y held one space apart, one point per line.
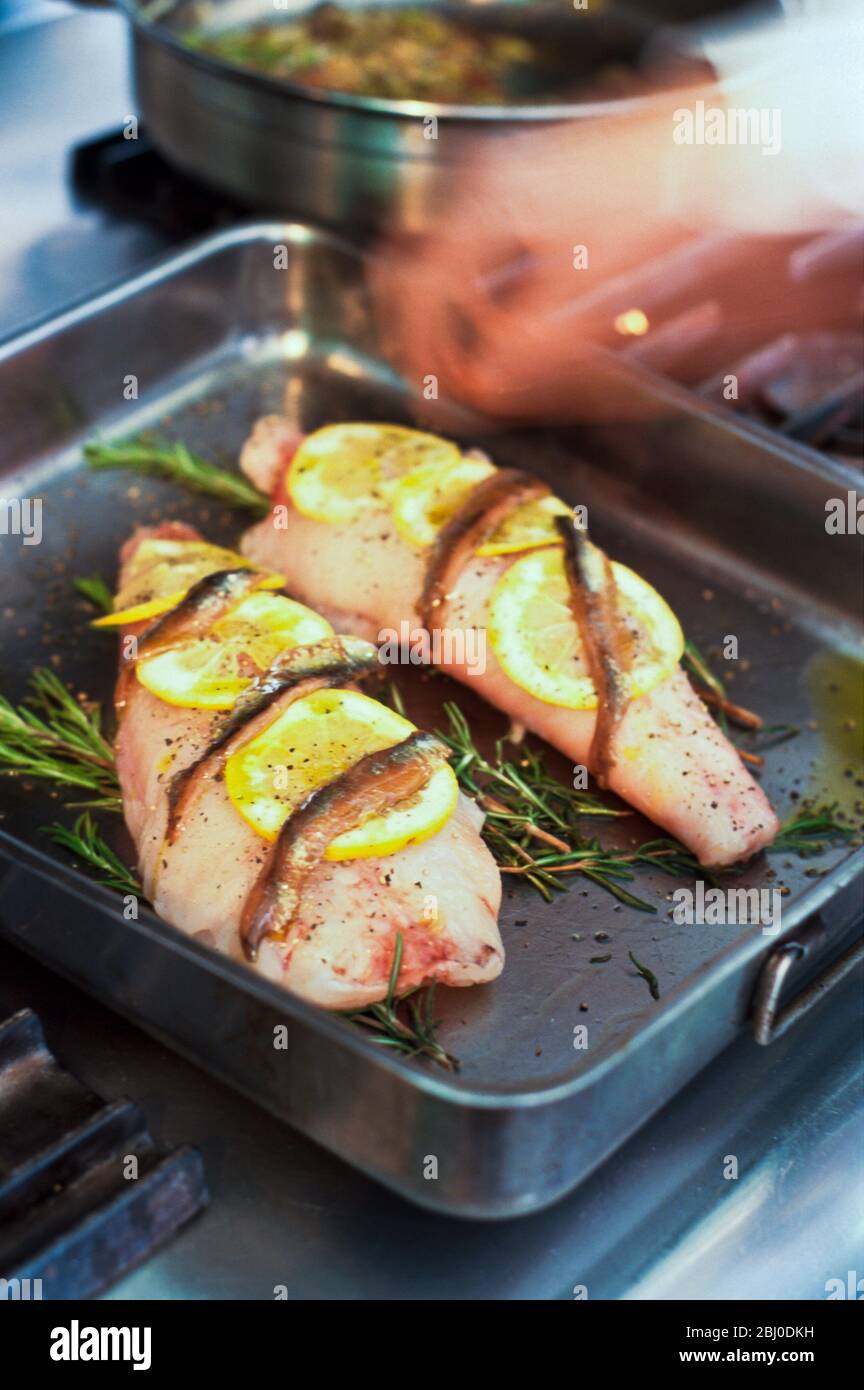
175 463
404 1023
96 590
811 830
86 843
696 665
53 736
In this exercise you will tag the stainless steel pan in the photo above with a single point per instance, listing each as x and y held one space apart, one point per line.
331 157
690 498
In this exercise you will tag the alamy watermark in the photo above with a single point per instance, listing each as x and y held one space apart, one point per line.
77 1343
728 125
442 646
22 516
844 516
721 907
20 1290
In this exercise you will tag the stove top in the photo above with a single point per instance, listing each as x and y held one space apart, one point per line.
129 179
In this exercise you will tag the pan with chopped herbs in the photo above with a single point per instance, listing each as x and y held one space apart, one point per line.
348 113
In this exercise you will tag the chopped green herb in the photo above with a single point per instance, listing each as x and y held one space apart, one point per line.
647 975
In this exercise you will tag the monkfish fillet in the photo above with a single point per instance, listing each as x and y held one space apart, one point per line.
668 757
339 949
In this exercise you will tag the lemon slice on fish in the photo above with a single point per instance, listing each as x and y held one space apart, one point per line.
163 571
342 470
527 527
537 642
139 612
210 672
427 497
316 739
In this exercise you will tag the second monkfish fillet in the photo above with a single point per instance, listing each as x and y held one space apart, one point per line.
325 928
660 750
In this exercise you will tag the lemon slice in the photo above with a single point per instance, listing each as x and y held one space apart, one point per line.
210 672
342 470
163 571
139 611
536 639
427 497
313 741
528 526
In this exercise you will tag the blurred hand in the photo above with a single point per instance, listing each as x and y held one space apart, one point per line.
500 296
523 266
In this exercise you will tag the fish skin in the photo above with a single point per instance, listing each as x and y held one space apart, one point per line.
340 949
669 758
268 451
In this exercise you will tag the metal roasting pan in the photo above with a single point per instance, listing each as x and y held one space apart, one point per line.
725 520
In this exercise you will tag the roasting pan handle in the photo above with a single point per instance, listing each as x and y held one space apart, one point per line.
769 1020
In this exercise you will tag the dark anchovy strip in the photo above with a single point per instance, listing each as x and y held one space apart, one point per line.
593 597
204 604
372 786
493 499
334 661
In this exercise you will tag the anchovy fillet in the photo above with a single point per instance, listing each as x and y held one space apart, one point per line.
210 599
371 787
488 504
594 601
335 661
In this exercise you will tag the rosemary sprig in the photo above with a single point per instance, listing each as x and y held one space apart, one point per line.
86 843
54 736
777 733
175 463
712 690
527 806
523 794
695 664
709 687
810 831
411 1033
96 590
